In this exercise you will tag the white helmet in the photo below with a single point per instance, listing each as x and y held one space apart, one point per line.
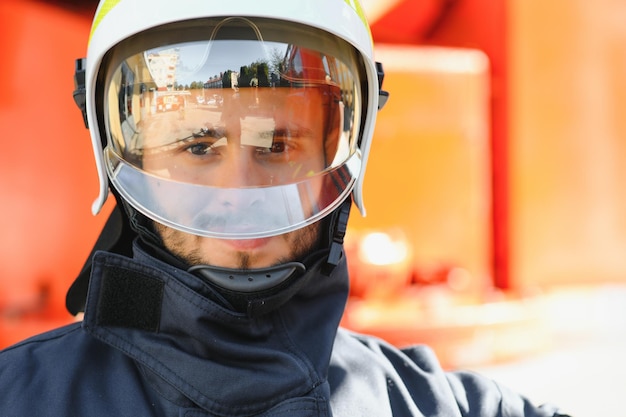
232 119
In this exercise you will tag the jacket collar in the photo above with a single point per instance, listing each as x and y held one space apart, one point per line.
176 327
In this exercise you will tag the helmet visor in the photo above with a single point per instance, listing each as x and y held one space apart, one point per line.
232 128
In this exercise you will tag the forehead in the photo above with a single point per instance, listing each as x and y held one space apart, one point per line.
309 96
301 105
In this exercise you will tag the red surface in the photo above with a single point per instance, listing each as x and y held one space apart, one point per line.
47 177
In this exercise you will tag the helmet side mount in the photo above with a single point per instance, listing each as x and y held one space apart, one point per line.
79 88
383 95
339 226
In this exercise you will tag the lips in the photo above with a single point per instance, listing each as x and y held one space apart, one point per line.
247 244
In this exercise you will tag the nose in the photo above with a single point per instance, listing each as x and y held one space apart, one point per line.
238 168
240 178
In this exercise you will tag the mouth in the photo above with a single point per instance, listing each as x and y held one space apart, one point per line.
247 244
239 227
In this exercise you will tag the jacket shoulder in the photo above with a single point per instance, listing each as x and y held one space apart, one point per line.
413 382
62 372
41 338
49 356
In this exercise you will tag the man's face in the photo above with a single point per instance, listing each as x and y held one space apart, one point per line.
263 137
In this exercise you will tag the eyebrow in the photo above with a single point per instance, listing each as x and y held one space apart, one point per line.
299 130
209 133
217 134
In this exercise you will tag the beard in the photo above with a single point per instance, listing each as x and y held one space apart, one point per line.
198 250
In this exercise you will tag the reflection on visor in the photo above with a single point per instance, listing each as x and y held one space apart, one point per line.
232 107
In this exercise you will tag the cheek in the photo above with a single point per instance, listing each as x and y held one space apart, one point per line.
302 241
174 240
314 154
194 174
179 168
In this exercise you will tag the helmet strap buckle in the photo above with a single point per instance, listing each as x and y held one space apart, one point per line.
383 95
337 234
79 88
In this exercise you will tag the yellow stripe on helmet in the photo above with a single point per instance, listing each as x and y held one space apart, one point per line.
104 9
107 5
359 11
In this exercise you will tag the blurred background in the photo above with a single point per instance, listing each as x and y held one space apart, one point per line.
496 187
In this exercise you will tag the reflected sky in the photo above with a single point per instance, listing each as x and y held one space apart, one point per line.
200 61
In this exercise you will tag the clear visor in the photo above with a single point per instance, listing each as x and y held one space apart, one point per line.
238 129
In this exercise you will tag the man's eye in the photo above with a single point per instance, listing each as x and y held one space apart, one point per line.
199 149
277 147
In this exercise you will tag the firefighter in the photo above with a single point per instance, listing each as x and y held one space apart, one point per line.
219 281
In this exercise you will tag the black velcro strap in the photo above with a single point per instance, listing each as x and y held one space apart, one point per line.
130 299
117 237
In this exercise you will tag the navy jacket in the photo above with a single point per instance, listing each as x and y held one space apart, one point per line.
158 341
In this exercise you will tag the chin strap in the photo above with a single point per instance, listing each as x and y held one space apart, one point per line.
247 281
